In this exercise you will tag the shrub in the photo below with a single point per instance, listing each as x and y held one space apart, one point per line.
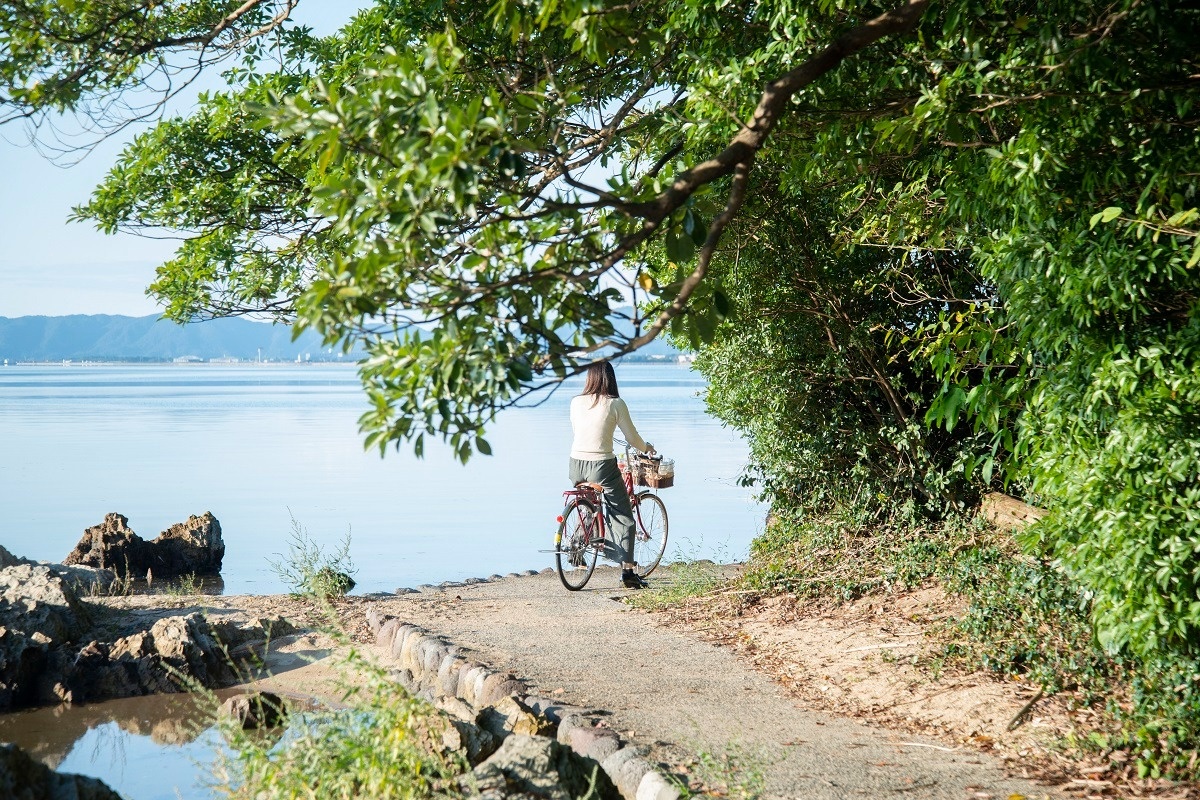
310 571
375 746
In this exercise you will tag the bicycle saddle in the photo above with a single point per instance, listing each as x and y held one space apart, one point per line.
595 487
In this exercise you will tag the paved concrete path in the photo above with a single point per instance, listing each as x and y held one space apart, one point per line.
681 696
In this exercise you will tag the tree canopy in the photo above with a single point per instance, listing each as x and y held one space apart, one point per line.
106 63
923 249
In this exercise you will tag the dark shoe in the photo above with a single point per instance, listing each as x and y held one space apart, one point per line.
631 580
576 558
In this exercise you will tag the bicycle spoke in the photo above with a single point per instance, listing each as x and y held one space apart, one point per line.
650 541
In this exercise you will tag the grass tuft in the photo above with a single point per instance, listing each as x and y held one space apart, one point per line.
382 743
674 584
312 572
735 772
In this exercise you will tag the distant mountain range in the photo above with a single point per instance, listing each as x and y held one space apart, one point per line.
103 337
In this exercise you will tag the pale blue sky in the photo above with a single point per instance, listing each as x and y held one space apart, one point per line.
50 266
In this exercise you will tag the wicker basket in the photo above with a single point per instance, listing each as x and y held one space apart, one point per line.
657 474
657 481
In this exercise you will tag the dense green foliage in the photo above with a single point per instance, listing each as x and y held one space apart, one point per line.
1057 164
82 58
455 201
814 367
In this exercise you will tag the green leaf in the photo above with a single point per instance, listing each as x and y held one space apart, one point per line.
723 306
680 249
520 367
699 231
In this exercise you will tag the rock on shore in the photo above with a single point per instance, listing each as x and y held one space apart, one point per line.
38 612
193 547
538 767
7 559
49 654
78 577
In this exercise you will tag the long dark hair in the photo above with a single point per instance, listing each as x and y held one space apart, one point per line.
601 382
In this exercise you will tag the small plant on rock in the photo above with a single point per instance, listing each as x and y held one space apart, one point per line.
310 571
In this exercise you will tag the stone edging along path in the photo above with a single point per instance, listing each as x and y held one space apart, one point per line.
433 668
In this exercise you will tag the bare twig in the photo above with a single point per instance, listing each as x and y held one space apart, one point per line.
1019 719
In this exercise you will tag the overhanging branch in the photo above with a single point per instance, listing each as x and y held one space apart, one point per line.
738 157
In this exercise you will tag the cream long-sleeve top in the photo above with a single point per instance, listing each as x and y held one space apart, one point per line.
594 420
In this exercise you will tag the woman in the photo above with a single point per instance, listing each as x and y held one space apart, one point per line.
595 415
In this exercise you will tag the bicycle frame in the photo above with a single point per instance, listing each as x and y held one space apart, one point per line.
598 525
600 522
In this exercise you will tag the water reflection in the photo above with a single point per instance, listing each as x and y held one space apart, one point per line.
145 748
189 584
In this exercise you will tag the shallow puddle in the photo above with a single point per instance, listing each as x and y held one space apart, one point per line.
145 748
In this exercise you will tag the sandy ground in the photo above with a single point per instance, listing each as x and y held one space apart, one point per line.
866 659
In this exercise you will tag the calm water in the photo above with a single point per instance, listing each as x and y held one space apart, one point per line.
145 748
259 445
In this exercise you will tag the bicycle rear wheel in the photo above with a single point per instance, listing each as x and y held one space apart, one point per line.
576 544
650 539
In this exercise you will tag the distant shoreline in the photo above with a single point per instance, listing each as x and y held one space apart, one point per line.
679 360
145 362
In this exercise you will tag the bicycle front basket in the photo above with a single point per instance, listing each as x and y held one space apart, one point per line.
655 473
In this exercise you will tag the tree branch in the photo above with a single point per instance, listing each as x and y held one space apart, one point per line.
771 105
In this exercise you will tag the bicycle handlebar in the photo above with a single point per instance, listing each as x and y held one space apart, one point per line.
628 447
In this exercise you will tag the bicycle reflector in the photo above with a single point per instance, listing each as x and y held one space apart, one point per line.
558 518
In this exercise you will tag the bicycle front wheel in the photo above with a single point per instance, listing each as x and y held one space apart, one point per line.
650 539
575 544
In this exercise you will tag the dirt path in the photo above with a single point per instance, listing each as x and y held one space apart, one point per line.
683 696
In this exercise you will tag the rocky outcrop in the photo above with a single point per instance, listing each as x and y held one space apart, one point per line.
38 613
34 600
85 578
7 559
174 652
47 655
23 778
88 580
194 547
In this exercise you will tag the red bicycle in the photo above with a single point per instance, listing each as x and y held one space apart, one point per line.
582 532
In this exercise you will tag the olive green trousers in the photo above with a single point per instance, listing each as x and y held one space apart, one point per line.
619 544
